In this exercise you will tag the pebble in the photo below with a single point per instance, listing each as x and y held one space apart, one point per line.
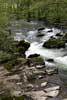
43 84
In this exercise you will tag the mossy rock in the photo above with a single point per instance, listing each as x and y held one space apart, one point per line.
55 43
36 60
10 65
14 63
21 46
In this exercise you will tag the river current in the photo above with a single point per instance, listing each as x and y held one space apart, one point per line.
29 33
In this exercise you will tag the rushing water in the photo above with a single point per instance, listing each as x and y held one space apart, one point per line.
58 55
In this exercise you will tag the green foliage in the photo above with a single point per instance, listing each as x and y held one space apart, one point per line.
12 98
54 11
10 65
5 56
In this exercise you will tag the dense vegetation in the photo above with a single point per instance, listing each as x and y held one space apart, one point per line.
52 11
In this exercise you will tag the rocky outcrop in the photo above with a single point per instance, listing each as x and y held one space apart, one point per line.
22 46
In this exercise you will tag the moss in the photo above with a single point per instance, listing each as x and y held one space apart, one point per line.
37 60
55 43
12 98
11 64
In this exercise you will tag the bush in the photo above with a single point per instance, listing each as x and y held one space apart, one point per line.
5 57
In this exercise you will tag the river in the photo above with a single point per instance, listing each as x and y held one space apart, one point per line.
29 32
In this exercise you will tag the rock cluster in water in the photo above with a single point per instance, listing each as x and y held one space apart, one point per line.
58 42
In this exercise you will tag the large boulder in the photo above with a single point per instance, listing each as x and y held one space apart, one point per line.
36 60
33 55
21 46
55 43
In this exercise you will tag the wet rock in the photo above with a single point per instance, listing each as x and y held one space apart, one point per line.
54 43
41 28
22 46
50 60
33 55
43 84
36 61
47 30
52 37
59 34
51 70
40 35
50 30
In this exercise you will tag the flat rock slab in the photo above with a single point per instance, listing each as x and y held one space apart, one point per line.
16 93
52 88
37 95
41 95
54 93
14 77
